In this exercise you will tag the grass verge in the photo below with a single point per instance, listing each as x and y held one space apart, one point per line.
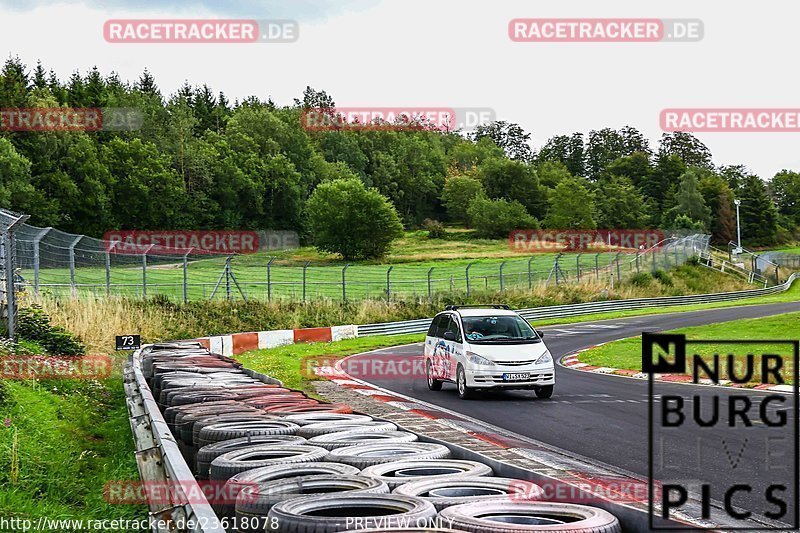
61 441
286 363
627 353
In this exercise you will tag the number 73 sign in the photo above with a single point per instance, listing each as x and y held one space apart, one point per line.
129 342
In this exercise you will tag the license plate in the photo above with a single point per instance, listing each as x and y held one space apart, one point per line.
516 377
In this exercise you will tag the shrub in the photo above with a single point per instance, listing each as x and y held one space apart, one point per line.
457 194
349 219
663 277
434 228
497 218
34 325
642 279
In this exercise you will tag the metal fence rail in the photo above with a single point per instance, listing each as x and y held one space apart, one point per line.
563 311
55 263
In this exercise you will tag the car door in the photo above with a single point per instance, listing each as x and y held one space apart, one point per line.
452 347
439 348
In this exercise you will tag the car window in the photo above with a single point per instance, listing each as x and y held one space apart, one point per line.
453 326
435 324
496 329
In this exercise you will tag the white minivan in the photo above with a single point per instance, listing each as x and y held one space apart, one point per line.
487 347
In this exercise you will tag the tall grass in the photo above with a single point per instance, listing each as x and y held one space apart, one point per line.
97 320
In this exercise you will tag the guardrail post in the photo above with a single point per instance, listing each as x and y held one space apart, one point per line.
466 274
72 265
430 270
578 267
344 283
305 268
36 240
108 267
530 274
269 279
389 284
502 281
186 275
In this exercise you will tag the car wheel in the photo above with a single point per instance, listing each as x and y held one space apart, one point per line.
464 392
433 384
544 392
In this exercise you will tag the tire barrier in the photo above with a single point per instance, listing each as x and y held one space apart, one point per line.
295 463
398 473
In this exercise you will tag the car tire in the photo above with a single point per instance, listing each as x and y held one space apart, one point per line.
444 492
464 392
544 392
339 439
323 428
253 503
433 384
402 472
207 454
477 517
264 474
231 463
365 455
308 514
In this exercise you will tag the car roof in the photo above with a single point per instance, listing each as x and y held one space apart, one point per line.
466 311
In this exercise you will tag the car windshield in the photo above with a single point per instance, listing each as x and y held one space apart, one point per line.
498 329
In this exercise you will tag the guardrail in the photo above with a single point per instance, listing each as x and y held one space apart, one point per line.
160 461
562 311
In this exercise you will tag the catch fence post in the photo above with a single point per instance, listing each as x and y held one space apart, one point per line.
467 278
108 267
578 267
597 266
617 261
305 268
556 267
186 275
269 279
502 281
344 283
388 284
430 270
36 261
228 277
72 265
144 271
530 274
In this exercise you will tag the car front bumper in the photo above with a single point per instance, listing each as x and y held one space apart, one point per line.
492 377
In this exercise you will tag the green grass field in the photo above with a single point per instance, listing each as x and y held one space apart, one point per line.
627 353
414 260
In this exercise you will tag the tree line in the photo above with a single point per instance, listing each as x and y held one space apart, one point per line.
201 161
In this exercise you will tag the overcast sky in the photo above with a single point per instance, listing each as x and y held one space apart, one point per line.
457 53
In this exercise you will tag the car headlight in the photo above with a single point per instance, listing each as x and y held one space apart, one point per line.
476 359
545 358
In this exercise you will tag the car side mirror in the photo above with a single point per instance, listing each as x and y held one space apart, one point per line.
449 336
540 333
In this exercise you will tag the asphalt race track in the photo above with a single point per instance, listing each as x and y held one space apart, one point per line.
602 417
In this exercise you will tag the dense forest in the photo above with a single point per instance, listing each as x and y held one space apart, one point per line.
202 161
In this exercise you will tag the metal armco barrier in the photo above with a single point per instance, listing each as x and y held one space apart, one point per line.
561 311
159 459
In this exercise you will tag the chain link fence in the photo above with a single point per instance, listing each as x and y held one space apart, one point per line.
58 264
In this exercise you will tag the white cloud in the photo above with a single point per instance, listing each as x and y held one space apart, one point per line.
457 53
